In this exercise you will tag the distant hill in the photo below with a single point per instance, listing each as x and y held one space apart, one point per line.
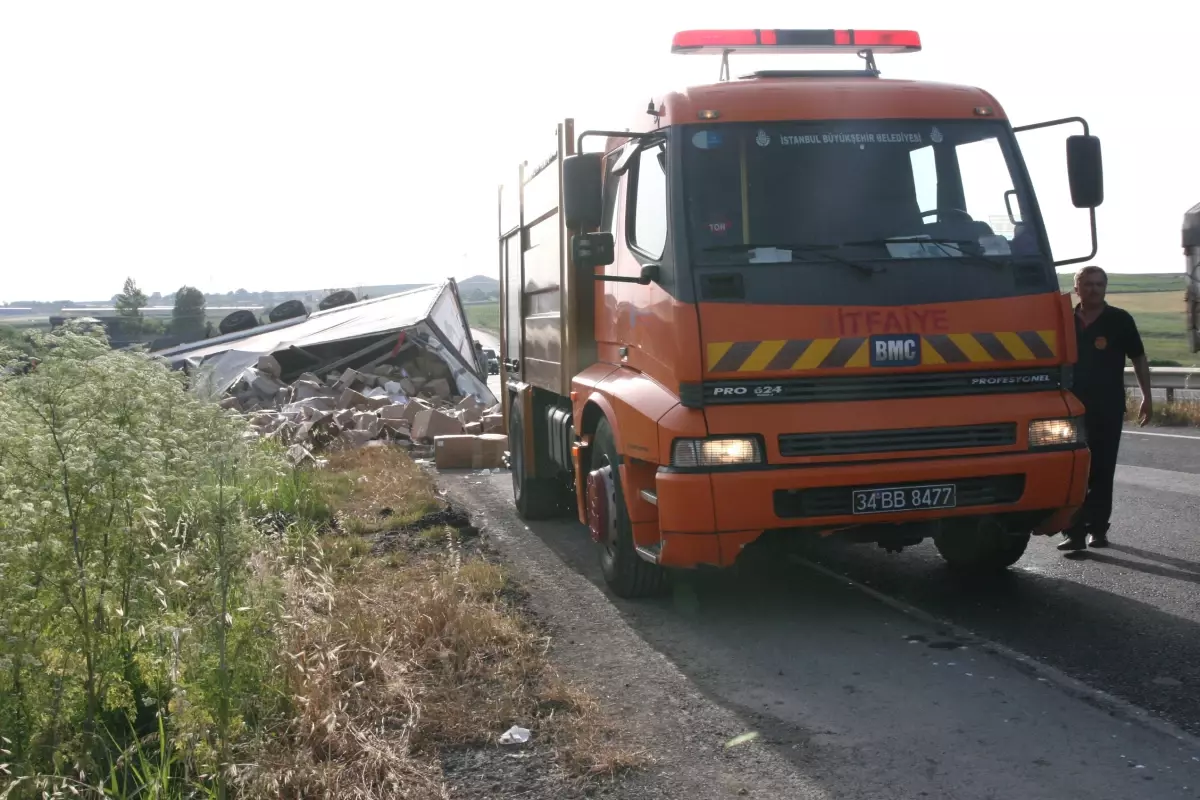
482 282
479 289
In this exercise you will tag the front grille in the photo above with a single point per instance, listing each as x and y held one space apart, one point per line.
795 445
851 388
835 501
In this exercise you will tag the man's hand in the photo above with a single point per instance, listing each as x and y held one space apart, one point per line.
1141 368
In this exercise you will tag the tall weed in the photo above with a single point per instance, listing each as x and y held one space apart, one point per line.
135 592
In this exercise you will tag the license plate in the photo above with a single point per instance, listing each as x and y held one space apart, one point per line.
906 498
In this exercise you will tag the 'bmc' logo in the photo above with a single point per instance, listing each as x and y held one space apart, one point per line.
895 350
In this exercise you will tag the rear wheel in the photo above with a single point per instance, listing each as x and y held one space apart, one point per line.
535 498
626 573
983 550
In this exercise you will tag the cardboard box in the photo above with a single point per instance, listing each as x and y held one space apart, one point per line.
395 412
430 424
493 446
414 407
352 399
468 452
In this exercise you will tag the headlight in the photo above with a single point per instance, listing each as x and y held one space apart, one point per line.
726 451
1056 432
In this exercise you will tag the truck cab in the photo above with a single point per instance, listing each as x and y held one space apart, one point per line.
796 304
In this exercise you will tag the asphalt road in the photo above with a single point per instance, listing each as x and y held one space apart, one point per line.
1125 619
801 650
856 698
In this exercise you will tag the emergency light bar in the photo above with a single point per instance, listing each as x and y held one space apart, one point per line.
794 41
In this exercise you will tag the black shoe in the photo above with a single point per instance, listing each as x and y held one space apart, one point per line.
1098 540
1073 543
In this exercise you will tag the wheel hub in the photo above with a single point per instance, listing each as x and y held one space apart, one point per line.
600 504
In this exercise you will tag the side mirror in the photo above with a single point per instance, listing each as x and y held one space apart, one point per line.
583 197
590 250
1085 171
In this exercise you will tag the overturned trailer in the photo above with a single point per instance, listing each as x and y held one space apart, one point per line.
422 333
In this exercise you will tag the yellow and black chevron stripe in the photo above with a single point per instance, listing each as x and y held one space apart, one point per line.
798 355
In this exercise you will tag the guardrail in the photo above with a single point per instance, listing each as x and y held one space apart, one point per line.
1168 378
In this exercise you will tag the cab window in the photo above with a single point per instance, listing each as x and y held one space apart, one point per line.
648 229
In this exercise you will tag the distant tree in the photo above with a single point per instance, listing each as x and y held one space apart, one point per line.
130 303
188 316
131 300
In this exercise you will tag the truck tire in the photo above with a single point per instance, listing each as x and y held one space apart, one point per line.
981 551
626 573
535 498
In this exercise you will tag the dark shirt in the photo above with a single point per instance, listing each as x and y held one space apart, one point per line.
1103 347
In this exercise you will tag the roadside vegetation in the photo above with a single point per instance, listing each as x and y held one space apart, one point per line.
1177 414
485 316
185 615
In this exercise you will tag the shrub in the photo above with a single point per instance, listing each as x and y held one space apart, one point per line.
136 594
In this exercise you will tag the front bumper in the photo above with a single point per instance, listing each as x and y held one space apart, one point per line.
708 517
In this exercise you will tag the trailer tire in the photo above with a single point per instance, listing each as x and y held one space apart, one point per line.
981 552
535 498
626 573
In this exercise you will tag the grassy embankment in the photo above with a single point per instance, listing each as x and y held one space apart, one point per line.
185 615
485 316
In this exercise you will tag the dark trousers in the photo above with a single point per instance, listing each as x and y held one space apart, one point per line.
1104 439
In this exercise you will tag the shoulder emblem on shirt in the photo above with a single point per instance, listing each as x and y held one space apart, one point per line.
1101 343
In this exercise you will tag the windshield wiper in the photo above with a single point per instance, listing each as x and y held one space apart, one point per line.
808 249
995 262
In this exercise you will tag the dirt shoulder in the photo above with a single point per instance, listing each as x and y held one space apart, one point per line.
414 654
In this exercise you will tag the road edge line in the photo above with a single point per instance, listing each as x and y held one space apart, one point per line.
1162 435
1109 703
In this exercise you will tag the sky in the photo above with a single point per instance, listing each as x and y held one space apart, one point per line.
296 145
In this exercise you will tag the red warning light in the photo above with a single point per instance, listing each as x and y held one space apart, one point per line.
794 41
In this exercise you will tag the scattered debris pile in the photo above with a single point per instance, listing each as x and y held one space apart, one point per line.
401 368
412 406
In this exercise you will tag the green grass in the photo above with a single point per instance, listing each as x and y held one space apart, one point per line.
1160 319
484 315
1149 282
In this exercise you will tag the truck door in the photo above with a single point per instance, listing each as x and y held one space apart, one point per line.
513 279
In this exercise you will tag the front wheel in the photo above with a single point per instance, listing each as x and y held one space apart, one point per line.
981 551
626 573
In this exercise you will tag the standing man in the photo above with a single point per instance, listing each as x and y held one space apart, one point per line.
1106 336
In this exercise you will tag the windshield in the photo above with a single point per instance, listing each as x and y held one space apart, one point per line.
872 191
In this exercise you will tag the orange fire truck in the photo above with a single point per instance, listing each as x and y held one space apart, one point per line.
793 304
